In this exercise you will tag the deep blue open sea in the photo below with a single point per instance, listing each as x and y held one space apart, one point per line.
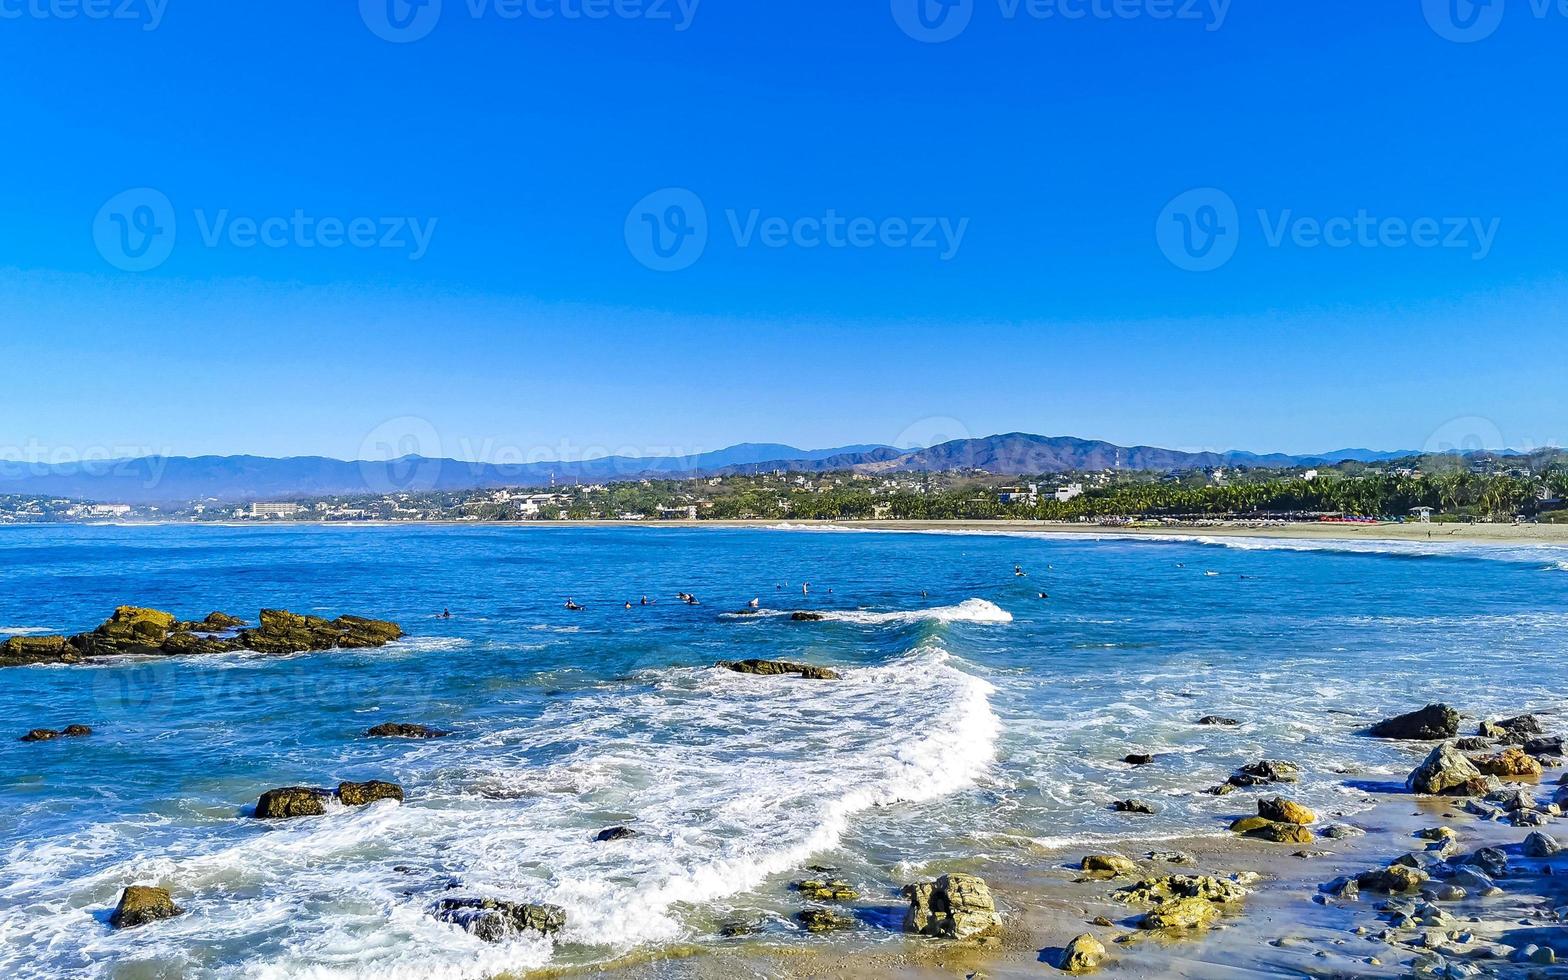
973 715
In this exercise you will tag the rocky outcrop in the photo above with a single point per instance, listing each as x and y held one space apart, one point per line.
49 734
141 904
306 801
806 617
615 834
1168 888
1446 772
394 729
1511 763
1427 724
779 667
954 906
1513 730
136 630
1183 913
24 651
1393 879
1083 955
1107 865
495 920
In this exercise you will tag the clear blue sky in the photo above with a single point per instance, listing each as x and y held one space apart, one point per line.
527 323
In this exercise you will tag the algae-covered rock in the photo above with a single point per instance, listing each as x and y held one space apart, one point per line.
778 667
1265 772
1181 913
1426 724
1083 954
825 920
23 651
284 632
1166 888
821 890
292 801
954 906
362 794
1393 879
141 904
1285 811
1111 865
1445 771
1281 833
1511 763
495 920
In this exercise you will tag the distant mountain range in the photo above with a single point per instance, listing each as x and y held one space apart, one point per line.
166 480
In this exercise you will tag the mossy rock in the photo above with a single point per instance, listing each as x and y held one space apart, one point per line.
820 890
292 801
363 794
825 920
1182 913
22 651
495 920
141 904
779 667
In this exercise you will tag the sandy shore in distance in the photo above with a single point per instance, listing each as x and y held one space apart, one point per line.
1473 533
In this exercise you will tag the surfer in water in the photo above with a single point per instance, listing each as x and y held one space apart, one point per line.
573 606
1018 571
755 603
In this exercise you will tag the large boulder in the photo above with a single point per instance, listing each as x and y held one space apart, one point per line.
1515 730
778 667
1427 724
141 904
954 906
1182 913
292 801
1084 954
1279 809
1512 763
1394 879
1446 772
1109 865
495 920
362 794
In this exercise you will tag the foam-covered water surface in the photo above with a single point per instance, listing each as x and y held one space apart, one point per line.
972 714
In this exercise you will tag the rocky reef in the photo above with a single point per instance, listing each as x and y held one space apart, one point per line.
307 801
153 632
776 667
495 920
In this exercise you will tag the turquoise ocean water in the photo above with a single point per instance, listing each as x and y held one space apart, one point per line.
973 717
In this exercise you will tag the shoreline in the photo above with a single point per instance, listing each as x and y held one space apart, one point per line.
1500 534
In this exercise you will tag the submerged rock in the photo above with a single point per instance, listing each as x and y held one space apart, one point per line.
1446 772
141 904
394 729
49 734
1426 724
807 617
825 920
1219 720
1083 954
1266 772
1138 759
777 667
954 906
819 890
1133 806
615 834
495 920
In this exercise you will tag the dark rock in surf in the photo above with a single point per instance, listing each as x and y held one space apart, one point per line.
1265 772
394 729
49 734
614 834
1137 759
807 617
1515 731
1473 744
495 920
778 667
1133 806
292 801
1445 772
1427 724
1218 720
141 904
1552 745
363 794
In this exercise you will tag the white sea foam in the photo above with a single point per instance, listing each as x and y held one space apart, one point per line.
728 778
968 611
22 630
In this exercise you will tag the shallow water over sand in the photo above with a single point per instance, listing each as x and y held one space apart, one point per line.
972 714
